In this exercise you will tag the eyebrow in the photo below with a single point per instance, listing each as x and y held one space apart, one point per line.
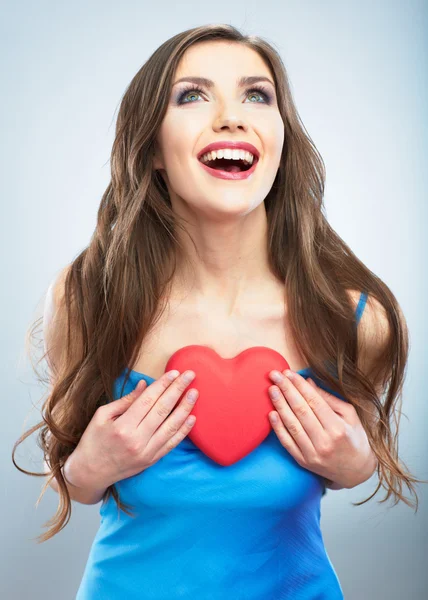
241 82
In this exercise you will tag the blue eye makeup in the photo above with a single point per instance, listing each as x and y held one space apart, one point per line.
261 90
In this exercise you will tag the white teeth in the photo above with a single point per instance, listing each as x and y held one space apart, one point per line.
228 153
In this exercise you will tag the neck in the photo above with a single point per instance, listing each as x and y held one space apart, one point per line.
228 266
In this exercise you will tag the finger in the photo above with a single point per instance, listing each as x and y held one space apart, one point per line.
316 401
174 429
338 405
147 399
286 438
292 423
166 403
172 442
118 407
300 406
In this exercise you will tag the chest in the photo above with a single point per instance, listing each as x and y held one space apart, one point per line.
260 325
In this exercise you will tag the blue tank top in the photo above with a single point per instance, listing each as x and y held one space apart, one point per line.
201 531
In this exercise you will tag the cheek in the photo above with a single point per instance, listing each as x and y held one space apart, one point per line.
270 131
182 129
274 136
180 145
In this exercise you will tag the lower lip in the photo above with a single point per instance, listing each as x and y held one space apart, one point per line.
226 175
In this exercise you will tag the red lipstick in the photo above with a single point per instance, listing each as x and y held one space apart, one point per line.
219 173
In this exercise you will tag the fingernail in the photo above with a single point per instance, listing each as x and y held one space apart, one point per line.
189 376
274 392
192 395
173 375
276 376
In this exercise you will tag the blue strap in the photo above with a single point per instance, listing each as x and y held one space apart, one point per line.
361 305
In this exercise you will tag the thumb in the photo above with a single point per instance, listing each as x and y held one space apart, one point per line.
335 403
120 406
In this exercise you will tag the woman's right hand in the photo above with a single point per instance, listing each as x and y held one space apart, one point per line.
132 433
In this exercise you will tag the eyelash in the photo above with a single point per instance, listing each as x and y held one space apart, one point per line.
194 88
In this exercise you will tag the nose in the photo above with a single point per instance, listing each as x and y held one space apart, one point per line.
230 122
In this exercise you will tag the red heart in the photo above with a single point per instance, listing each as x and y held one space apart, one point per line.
233 404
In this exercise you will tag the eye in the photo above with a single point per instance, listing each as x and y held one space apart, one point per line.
260 92
194 90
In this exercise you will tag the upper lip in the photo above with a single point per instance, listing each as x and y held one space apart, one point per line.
233 145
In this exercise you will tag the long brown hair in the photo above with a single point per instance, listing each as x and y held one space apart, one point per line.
113 290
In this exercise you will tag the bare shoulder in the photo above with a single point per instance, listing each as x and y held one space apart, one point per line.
373 327
54 298
55 323
373 334
59 285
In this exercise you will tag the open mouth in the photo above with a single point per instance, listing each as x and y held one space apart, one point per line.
227 168
229 165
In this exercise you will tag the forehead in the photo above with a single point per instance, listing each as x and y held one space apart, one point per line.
221 60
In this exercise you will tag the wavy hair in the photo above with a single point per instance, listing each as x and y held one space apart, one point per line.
114 289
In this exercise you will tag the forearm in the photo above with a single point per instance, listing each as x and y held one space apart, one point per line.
84 493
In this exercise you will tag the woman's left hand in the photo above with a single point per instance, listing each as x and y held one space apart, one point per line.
321 432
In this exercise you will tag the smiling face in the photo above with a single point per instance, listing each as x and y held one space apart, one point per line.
225 111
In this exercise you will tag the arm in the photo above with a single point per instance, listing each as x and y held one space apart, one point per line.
53 333
84 495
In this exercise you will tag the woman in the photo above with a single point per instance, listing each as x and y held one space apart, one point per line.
227 251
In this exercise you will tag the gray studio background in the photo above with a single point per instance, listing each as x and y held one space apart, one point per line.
358 72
